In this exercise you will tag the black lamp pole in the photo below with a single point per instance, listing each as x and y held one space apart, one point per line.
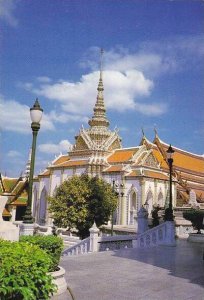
169 210
112 210
36 115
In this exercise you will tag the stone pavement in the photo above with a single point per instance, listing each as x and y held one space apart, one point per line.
160 273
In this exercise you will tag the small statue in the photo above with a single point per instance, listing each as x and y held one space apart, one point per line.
155 216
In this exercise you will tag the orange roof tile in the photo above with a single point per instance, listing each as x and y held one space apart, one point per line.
159 158
122 155
199 193
190 177
156 175
61 159
150 174
45 173
134 173
186 160
116 168
73 163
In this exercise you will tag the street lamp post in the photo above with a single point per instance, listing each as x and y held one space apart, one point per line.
112 213
169 210
35 115
112 210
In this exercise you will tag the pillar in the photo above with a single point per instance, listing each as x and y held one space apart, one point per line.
142 185
155 193
94 231
142 220
13 214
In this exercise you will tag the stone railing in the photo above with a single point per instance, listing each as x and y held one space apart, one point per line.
163 234
96 243
82 247
106 243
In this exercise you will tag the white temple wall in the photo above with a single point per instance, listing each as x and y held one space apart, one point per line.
79 171
152 190
134 193
55 181
160 195
133 198
67 173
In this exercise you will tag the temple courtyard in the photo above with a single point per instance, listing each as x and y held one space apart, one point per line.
159 273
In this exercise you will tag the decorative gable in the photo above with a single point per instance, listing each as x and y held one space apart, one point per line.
150 161
80 144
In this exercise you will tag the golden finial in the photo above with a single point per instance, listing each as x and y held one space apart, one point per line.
143 131
101 62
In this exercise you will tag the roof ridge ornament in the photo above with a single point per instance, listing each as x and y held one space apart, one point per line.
155 131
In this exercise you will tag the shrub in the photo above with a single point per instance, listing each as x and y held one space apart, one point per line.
196 217
51 244
23 272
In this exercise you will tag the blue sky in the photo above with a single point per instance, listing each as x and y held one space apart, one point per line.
153 73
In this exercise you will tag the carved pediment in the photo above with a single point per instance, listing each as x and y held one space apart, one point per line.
151 161
115 145
80 144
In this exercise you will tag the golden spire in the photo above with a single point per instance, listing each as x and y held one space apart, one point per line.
99 117
101 63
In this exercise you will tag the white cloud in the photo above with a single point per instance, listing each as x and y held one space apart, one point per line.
16 117
121 60
65 118
152 58
123 90
48 148
44 79
14 154
128 77
7 8
153 109
177 53
150 63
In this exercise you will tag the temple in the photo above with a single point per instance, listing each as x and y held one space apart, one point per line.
140 173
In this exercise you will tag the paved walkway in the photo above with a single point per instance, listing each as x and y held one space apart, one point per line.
162 273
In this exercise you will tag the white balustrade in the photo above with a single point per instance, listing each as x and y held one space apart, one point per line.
163 234
82 247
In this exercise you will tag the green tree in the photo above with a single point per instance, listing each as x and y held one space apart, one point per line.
81 200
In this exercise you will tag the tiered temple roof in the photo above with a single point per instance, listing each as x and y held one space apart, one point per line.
16 190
